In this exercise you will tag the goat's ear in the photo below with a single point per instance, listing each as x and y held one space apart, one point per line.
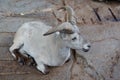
63 28
50 31
66 31
47 33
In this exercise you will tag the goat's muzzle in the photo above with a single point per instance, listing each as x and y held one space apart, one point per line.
86 48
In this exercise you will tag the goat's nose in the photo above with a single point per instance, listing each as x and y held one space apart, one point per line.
86 48
89 46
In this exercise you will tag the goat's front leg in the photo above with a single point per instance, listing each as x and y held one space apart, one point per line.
43 68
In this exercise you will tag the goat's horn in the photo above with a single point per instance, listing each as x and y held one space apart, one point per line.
71 14
62 28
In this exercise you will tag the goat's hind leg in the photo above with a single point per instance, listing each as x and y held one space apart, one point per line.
21 59
15 47
24 59
14 50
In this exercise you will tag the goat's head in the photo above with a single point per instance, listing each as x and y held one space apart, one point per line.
69 32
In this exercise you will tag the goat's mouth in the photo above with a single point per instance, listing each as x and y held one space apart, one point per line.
85 50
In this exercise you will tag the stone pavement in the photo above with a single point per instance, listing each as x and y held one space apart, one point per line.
103 60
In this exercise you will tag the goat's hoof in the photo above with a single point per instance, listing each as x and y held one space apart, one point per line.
31 64
21 61
46 72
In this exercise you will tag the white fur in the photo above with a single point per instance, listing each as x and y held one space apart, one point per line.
52 50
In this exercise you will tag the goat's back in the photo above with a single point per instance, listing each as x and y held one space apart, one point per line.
30 27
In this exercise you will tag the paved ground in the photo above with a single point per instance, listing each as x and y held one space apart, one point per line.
103 60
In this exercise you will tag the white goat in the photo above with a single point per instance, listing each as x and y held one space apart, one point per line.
46 47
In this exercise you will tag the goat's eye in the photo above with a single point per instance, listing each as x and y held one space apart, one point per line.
74 38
